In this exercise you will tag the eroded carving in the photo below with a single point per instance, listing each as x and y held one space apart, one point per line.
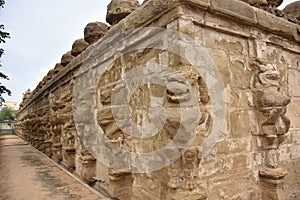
292 12
181 91
66 58
94 31
177 90
78 47
86 163
271 106
183 172
119 9
270 103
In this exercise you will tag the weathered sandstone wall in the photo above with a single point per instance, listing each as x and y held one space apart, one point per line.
230 83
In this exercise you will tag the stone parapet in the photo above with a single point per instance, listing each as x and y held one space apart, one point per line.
232 9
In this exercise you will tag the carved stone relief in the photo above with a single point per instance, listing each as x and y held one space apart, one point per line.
271 106
185 90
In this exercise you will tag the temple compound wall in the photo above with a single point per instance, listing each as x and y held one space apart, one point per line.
181 99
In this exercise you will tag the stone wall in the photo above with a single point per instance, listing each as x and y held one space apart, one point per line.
129 93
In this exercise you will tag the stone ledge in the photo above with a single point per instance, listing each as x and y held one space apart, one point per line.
234 8
274 174
228 26
143 16
202 3
277 25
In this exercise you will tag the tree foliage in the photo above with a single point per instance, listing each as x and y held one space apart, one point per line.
7 114
3 35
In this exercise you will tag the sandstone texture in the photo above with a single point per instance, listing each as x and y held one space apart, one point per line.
94 31
119 9
66 58
78 47
293 9
176 100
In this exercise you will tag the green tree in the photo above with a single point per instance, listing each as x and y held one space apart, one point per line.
3 35
7 114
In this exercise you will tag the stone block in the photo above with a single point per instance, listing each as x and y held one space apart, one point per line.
241 145
295 137
223 147
293 179
203 3
231 44
199 30
285 140
240 98
272 189
295 120
68 157
239 124
283 154
296 105
102 172
186 27
240 75
214 167
272 54
294 83
235 187
276 24
221 61
296 165
197 194
241 163
139 193
165 19
88 168
235 9
193 13
295 61
291 113
148 186
227 25
295 151
120 186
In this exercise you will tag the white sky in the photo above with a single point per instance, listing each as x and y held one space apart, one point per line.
41 32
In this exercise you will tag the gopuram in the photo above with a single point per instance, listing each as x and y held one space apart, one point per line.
177 100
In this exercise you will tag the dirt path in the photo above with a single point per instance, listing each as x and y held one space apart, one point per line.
25 174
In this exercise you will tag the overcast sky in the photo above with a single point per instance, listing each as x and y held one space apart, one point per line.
41 32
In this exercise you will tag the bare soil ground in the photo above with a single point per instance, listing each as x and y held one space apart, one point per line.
25 174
